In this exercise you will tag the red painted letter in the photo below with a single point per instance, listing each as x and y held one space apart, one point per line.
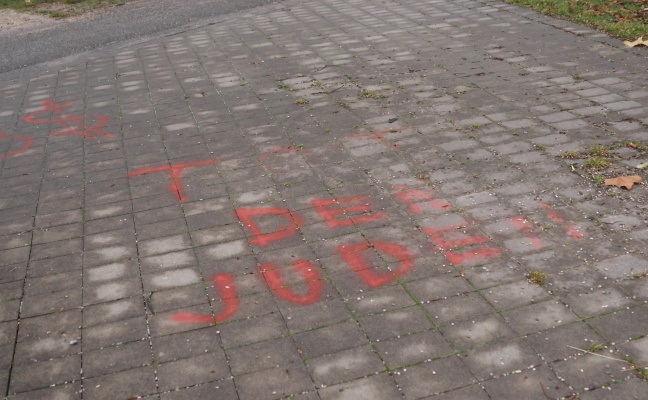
174 173
328 214
272 278
352 255
224 284
27 142
262 239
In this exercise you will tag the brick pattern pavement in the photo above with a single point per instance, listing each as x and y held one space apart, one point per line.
325 199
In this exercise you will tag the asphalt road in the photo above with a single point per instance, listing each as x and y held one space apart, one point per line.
33 45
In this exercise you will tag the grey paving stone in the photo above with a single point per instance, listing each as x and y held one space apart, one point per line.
501 358
622 325
600 301
514 294
112 311
330 339
66 391
376 300
373 387
222 389
8 332
412 349
262 355
439 287
112 290
622 267
127 330
116 358
457 308
253 330
539 316
590 371
55 265
66 325
130 383
30 376
477 332
395 323
637 350
558 343
344 366
630 389
530 383
433 377
470 392
274 382
192 371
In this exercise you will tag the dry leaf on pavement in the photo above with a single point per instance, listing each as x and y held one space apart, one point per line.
623 181
637 42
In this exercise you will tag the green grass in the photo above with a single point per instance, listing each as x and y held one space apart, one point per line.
596 163
59 8
624 19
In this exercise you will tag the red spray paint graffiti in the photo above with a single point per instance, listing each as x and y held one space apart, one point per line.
353 256
263 239
175 187
469 247
272 278
418 200
27 142
379 136
330 214
72 125
557 218
224 284
450 236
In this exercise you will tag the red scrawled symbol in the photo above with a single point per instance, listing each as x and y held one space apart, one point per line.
329 214
570 229
272 278
414 197
263 239
473 256
26 143
224 284
353 256
175 187
72 125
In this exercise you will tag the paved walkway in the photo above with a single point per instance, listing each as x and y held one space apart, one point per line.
328 199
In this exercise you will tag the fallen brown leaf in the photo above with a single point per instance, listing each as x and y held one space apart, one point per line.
637 42
623 181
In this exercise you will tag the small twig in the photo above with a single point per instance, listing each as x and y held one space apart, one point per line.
612 358
600 355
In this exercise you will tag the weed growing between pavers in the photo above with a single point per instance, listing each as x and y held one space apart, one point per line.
601 162
537 277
